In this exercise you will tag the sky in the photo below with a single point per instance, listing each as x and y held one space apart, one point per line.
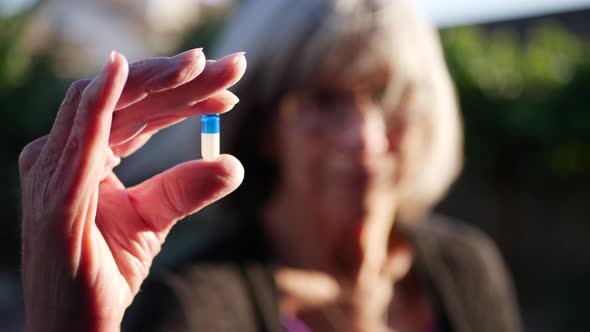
443 12
459 12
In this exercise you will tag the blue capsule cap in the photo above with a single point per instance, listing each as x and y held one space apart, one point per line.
210 124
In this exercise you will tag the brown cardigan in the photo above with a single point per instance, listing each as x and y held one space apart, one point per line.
462 267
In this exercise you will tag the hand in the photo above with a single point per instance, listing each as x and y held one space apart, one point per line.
87 241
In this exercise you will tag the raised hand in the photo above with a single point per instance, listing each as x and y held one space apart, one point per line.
88 241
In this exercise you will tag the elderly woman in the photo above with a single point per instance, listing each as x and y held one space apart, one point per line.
348 123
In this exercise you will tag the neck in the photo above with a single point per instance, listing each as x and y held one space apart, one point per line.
354 253
334 263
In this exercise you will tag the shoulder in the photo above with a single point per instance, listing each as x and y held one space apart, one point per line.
469 275
457 245
195 297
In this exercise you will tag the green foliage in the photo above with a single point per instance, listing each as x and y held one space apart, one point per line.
30 94
204 34
14 57
523 99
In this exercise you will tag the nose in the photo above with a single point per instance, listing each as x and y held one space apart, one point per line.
364 134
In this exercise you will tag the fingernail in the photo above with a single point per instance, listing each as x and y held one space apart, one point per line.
105 68
108 62
232 58
227 97
185 53
111 59
238 56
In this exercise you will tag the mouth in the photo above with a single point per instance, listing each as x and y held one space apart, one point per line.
349 174
350 182
358 181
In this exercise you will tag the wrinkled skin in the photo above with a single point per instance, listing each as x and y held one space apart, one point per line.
88 241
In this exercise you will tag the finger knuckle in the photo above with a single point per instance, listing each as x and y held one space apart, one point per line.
74 94
187 70
61 208
140 64
173 196
25 156
73 146
144 248
181 75
30 153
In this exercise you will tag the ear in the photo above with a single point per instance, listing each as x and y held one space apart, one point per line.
399 125
397 134
404 136
398 139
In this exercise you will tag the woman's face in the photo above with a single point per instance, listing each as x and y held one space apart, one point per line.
337 150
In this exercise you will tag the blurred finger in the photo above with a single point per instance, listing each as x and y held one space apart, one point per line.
216 76
159 74
184 189
85 152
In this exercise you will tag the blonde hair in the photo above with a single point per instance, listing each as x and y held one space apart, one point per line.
289 44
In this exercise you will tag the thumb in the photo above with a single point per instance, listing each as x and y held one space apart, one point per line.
184 189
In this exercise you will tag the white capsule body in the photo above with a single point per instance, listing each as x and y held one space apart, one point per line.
210 130
210 146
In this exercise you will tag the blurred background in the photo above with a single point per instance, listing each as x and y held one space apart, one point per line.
522 71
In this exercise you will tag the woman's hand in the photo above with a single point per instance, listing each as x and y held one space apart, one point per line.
87 241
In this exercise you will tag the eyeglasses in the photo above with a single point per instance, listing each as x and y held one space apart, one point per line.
329 112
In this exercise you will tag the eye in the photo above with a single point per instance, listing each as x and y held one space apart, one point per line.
327 100
378 95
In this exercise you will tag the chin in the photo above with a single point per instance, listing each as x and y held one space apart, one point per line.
349 215
347 206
